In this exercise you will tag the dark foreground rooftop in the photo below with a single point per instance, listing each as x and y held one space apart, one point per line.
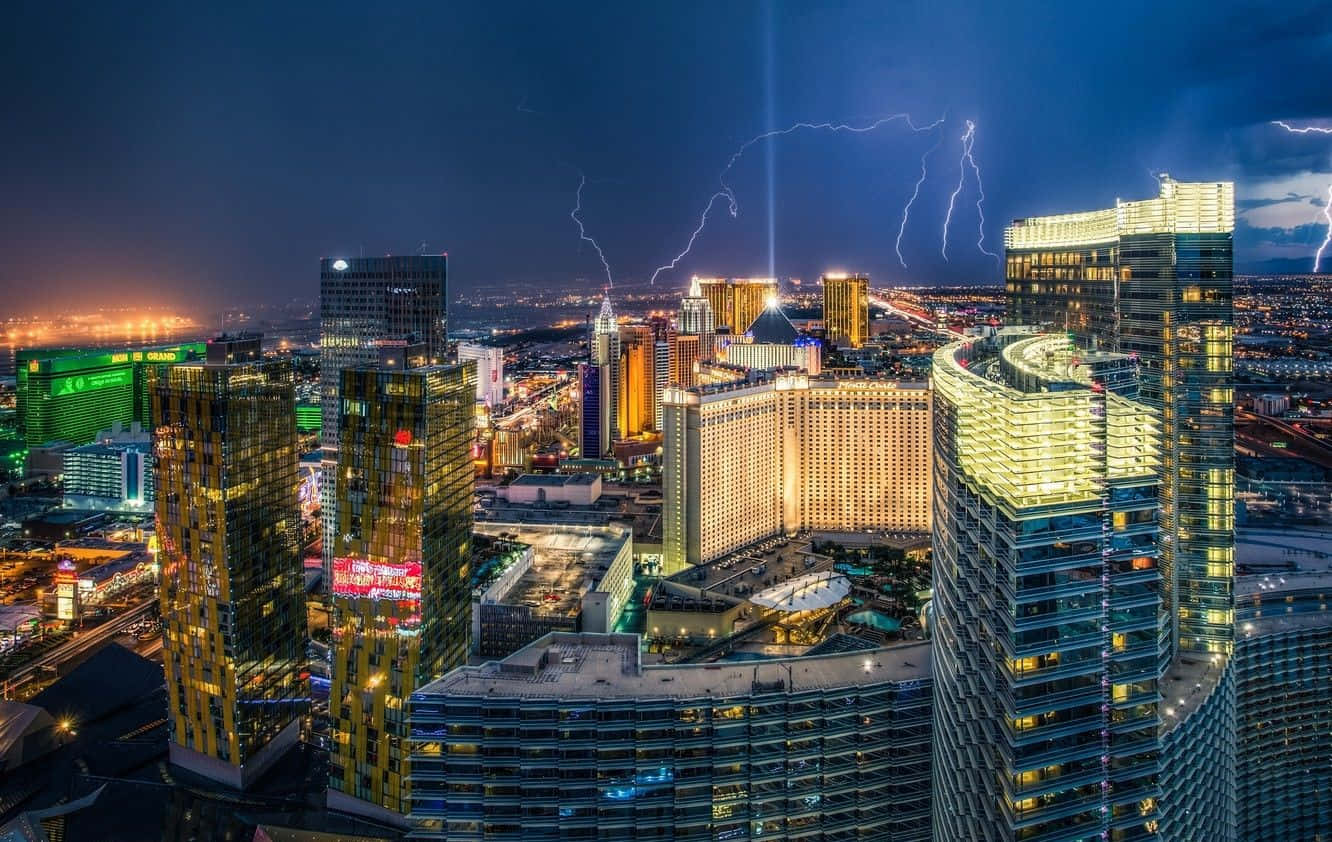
110 780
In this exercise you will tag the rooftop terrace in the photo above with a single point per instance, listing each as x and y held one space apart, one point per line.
567 562
607 666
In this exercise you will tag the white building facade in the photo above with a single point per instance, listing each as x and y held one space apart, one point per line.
742 462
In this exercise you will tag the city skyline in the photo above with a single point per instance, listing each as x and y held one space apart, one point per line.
775 420
269 107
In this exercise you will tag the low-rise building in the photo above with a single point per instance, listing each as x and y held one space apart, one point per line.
115 472
576 489
574 578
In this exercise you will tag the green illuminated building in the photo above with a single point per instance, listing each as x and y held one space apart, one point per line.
308 417
71 395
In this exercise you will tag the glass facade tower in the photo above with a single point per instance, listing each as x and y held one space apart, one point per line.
737 302
594 411
361 301
1153 278
232 594
401 581
1046 594
846 309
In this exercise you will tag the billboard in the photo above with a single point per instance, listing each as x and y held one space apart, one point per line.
74 384
358 577
67 593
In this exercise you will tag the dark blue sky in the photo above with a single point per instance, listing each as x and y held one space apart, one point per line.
208 156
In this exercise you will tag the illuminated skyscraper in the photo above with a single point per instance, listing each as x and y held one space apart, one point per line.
696 316
1153 278
401 583
736 302
70 395
489 371
686 352
1045 609
232 593
846 309
361 301
594 439
605 352
745 461
636 401
661 371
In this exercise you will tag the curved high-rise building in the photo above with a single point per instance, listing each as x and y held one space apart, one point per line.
1153 278
1046 597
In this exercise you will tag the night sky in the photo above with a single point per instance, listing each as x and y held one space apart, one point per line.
208 156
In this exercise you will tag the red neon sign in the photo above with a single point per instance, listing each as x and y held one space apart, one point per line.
402 438
357 577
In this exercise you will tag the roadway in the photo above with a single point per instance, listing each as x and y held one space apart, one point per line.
84 642
1298 442
879 300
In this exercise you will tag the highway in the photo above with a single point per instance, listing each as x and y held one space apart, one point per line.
880 300
81 643
1299 442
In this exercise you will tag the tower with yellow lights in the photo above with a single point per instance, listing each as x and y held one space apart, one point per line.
1153 278
846 309
401 565
232 594
1046 594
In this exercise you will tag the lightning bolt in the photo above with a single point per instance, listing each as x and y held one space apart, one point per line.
726 192
906 209
968 138
832 127
967 160
720 194
582 232
1301 129
980 190
1327 208
1327 238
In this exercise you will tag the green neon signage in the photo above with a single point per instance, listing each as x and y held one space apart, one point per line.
79 383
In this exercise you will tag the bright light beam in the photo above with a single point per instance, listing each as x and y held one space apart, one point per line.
582 232
1301 129
906 209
